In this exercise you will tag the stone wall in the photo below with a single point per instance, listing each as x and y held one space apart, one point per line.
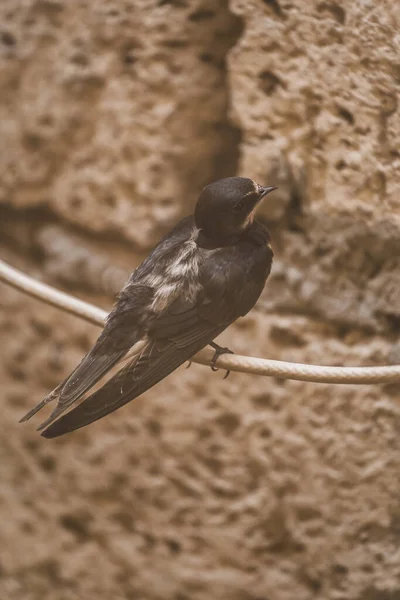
113 115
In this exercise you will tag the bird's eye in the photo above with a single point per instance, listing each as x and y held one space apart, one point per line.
238 207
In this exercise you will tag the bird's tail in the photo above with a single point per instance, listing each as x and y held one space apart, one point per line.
49 398
89 371
157 360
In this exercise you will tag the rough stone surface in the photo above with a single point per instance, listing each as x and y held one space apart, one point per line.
109 101
113 115
315 92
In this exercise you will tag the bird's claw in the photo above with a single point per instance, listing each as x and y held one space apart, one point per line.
218 352
189 364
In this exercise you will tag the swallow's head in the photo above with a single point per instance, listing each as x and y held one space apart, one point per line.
227 207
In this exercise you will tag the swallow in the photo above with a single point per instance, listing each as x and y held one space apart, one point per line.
203 275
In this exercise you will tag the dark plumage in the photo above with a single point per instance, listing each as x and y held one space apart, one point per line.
208 271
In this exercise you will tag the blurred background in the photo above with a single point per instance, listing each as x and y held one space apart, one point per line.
114 114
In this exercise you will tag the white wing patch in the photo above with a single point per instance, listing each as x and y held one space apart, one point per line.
180 277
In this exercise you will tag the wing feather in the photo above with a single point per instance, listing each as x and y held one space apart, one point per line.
121 332
157 360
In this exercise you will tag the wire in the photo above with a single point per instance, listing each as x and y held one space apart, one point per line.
233 362
50 295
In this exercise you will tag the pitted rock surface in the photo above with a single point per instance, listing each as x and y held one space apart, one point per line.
108 101
113 116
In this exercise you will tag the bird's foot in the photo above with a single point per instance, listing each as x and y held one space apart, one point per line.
218 351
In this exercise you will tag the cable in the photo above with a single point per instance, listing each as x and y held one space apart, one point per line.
233 362
50 295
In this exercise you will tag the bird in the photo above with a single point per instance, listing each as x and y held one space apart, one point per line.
208 271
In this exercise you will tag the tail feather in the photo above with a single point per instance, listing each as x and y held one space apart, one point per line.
89 371
35 409
157 360
49 398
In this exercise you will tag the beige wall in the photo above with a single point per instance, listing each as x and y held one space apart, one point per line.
113 115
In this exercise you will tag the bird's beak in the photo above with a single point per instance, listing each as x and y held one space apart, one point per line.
264 191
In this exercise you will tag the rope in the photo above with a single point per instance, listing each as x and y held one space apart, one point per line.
233 362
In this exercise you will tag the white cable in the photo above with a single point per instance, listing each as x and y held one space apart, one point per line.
233 362
50 295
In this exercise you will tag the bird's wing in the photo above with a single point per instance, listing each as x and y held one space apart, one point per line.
175 338
125 325
122 330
